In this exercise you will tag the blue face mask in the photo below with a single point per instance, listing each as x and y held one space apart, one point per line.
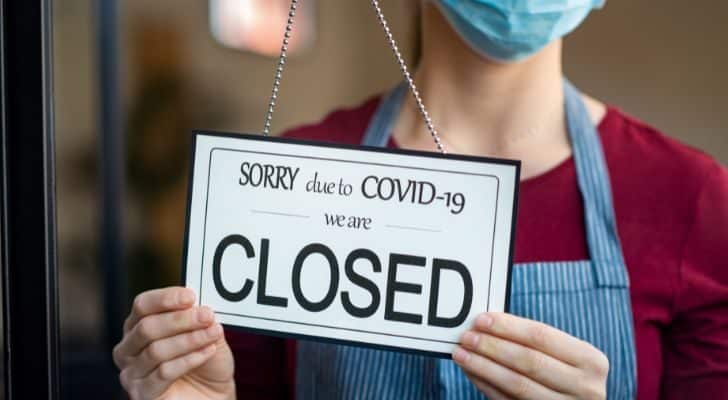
511 30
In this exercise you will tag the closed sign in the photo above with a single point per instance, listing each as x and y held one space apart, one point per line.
387 248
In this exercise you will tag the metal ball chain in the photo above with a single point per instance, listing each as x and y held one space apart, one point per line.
408 77
397 55
281 64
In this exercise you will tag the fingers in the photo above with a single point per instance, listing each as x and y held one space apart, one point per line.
160 326
157 382
504 380
526 359
173 347
488 390
532 363
539 336
158 301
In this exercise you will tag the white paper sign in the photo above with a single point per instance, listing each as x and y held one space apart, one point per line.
385 248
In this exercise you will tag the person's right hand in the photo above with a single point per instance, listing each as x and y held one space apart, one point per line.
173 349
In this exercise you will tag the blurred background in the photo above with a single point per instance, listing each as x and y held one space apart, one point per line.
187 64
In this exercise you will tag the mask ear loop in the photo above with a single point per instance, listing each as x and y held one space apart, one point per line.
398 56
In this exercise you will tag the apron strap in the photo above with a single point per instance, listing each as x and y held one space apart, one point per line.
380 127
593 178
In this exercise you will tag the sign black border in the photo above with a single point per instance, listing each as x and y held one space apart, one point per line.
258 137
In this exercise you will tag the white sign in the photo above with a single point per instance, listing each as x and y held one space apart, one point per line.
386 248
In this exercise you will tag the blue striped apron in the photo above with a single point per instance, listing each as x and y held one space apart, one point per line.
588 299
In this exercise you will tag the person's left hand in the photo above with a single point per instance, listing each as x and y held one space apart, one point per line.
507 357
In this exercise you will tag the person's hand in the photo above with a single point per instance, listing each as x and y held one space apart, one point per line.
173 349
507 357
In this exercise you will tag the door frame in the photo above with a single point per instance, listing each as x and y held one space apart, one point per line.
28 201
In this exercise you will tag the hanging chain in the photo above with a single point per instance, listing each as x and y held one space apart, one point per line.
397 54
279 69
408 77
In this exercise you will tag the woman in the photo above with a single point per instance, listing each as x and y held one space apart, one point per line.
621 282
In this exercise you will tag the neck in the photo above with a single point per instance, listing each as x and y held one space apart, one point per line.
482 107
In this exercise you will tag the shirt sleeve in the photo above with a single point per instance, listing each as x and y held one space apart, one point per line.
695 345
260 366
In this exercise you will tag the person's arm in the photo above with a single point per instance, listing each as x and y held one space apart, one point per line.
695 346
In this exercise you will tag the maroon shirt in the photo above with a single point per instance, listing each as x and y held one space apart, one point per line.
671 203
